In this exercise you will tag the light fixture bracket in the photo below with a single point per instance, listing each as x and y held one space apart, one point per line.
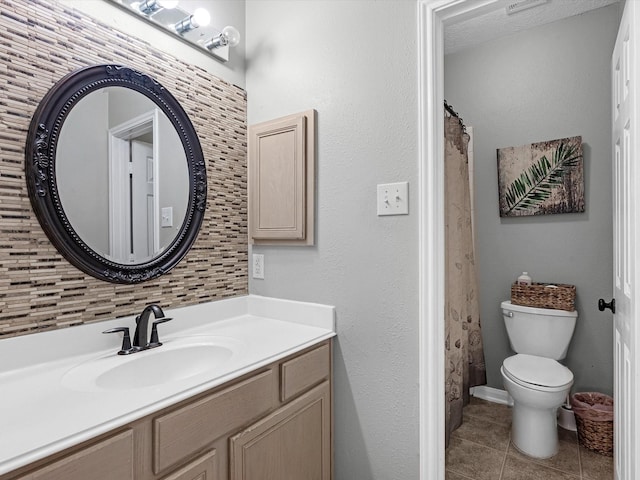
149 7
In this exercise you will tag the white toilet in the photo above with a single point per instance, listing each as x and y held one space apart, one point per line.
535 380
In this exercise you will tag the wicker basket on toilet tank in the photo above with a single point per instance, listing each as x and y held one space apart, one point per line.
544 295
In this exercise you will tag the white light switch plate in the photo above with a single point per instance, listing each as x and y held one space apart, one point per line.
393 198
167 217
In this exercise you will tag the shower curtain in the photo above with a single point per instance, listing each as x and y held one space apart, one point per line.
464 356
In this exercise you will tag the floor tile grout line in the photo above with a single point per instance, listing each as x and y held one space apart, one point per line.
478 443
459 474
579 457
506 455
480 417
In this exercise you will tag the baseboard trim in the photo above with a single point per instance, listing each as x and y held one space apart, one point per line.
491 394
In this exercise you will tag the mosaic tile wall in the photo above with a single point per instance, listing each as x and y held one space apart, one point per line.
40 42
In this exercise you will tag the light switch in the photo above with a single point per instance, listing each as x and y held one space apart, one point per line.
393 198
166 217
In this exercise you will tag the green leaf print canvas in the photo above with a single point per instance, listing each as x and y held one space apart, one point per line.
541 178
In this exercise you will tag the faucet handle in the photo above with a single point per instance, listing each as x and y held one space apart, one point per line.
126 348
155 341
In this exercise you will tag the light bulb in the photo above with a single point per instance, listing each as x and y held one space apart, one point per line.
200 18
231 35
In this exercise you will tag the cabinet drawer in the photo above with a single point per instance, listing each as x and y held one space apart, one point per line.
186 430
303 372
202 468
110 459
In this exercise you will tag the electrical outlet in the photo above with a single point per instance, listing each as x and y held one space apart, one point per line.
258 266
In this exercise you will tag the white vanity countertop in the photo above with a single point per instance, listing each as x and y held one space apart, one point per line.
40 416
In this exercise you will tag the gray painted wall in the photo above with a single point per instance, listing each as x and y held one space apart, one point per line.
82 170
546 83
329 56
174 179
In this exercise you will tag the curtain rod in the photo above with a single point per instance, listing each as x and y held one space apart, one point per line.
453 113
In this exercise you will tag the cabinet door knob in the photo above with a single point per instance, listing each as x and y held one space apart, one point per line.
611 305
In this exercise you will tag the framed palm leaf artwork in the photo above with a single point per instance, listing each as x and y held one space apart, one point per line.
541 178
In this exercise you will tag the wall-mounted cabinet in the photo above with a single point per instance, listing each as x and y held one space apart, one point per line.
281 180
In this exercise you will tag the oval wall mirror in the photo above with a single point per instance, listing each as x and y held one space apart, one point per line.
116 173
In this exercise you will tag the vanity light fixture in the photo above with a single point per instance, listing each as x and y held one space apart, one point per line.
230 36
199 18
150 7
183 22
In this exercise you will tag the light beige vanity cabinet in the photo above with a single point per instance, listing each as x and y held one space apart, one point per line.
108 459
271 424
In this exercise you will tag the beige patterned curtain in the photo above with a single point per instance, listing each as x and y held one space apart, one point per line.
464 356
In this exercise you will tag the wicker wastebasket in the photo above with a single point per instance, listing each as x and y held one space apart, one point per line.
594 421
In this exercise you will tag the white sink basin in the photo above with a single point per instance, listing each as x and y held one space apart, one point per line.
177 359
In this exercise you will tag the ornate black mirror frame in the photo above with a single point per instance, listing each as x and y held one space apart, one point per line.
40 167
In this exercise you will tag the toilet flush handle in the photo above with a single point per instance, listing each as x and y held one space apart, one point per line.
510 314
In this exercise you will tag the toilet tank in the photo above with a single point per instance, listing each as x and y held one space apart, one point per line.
539 331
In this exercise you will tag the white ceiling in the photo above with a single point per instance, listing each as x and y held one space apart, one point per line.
498 24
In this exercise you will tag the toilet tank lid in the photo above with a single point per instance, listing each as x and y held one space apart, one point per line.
507 305
537 370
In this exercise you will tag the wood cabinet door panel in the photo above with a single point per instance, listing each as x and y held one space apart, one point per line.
292 443
110 459
281 180
188 429
203 468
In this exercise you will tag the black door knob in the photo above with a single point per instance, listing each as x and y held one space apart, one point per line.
611 305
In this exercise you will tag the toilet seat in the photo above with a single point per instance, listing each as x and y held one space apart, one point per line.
537 373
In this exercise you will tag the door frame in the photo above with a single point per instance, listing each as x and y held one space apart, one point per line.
119 153
433 16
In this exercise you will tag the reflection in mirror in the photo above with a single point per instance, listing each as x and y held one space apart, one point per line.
122 175
116 174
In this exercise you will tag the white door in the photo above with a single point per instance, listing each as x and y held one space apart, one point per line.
626 178
142 201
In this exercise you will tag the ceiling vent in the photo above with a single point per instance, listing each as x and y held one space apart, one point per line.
518 6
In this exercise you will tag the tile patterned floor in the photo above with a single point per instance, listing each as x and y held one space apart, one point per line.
481 449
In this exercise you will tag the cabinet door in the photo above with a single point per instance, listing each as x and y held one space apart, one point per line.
281 180
110 459
203 468
293 443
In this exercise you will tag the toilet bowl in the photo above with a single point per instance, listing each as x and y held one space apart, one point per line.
533 377
538 386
